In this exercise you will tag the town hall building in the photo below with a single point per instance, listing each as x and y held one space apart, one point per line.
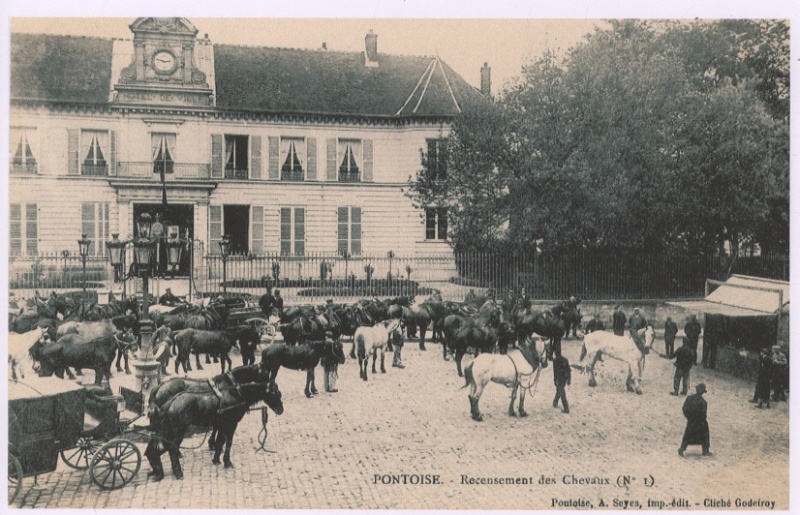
285 151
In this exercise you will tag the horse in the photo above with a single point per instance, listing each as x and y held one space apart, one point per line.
544 323
95 329
113 309
73 350
518 370
351 318
572 321
478 332
197 341
622 348
301 357
303 324
222 409
248 337
372 339
21 349
416 317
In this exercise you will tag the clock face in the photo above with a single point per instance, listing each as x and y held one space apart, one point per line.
164 62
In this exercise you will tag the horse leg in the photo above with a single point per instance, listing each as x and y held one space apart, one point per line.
522 412
218 443
476 389
313 372
383 357
228 443
459 355
69 373
197 360
119 360
154 458
374 359
353 350
125 356
307 390
363 363
592 381
212 440
422 330
174 457
514 387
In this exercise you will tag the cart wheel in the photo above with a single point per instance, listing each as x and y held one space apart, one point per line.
80 456
115 464
257 322
14 477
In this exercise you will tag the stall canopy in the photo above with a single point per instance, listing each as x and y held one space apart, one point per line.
742 312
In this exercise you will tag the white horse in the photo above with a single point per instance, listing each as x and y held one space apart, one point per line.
518 370
622 348
19 351
372 339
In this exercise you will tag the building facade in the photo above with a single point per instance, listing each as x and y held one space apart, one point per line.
286 151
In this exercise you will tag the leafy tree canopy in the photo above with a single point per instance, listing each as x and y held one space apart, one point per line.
646 135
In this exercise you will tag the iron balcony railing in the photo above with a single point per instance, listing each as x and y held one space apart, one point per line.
293 175
349 176
150 169
99 170
234 173
24 168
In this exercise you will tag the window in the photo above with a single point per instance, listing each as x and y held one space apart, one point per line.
293 157
95 149
437 159
95 225
349 233
349 160
236 157
23 230
22 159
163 147
293 231
436 223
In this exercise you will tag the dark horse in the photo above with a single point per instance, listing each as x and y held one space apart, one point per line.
222 409
300 357
479 332
75 351
543 323
197 341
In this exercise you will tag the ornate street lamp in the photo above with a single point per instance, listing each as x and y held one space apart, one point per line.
224 249
83 247
174 253
116 253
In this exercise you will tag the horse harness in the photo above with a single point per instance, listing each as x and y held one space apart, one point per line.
215 388
517 375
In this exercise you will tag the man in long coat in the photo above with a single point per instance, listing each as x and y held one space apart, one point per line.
618 321
693 330
670 330
695 410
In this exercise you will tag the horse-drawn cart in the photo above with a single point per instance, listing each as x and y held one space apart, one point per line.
49 417
246 311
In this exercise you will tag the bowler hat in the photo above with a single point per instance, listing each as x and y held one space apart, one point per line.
701 388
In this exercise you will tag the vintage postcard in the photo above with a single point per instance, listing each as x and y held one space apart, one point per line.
536 260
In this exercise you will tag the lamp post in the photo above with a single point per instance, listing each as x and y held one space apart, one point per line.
147 369
83 247
224 249
116 252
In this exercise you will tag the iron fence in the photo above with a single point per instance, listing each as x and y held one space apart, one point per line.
56 271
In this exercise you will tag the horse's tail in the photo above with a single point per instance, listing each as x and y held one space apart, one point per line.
468 377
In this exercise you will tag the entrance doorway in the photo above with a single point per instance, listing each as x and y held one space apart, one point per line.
236 221
174 218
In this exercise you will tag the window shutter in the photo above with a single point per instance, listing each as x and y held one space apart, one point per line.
87 223
216 156
214 228
367 144
255 157
274 157
15 229
257 229
342 232
112 153
331 167
311 159
286 231
31 229
355 231
299 231
73 136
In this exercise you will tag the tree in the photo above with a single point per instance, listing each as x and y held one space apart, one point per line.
646 135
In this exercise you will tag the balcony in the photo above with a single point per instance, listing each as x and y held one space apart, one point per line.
349 176
292 175
98 170
24 168
234 173
173 171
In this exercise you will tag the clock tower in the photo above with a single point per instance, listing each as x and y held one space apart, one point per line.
164 68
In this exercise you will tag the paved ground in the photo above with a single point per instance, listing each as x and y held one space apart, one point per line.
329 449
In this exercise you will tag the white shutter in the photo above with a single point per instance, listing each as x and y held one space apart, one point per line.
257 230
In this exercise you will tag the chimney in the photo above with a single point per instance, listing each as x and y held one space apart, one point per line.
371 50
486 80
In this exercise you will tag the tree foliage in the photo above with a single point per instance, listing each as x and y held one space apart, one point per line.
646 135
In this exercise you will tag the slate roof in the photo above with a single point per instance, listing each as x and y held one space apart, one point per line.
262 79
60 68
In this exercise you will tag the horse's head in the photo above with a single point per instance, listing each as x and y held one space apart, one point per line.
272 397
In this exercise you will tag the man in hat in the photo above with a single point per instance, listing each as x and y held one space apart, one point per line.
780 371
696 433
670 331
637 322
618 321
396 339
509 302
595 324
693 330
684 359
278 301
331 367
169 298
